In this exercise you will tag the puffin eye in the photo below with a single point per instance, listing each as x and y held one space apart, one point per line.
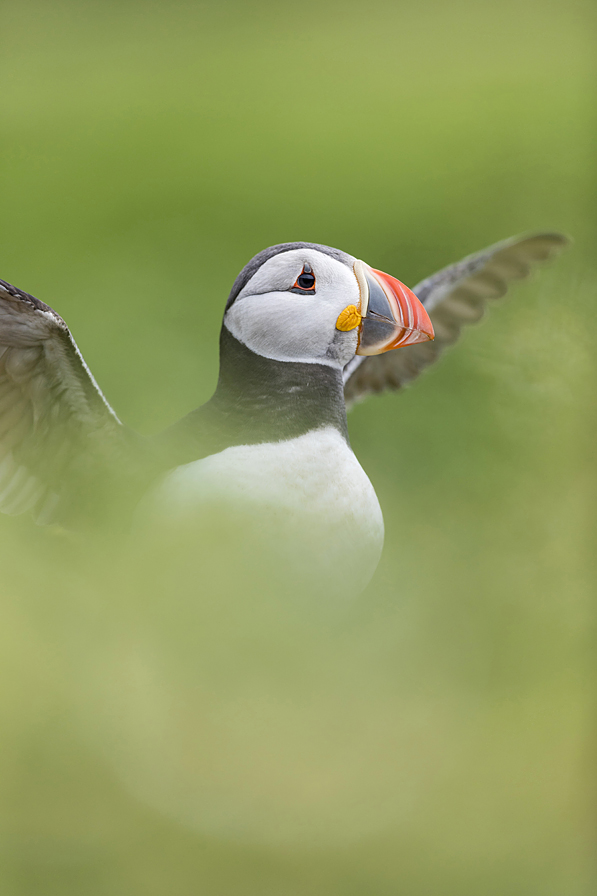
305 282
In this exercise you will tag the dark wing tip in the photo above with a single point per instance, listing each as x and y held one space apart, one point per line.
21 296
538 246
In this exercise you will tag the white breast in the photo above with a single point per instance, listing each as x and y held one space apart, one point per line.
309 494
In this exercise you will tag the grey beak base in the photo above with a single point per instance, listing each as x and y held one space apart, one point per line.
378 326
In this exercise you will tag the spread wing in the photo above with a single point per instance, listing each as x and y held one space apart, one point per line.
57 431
454 297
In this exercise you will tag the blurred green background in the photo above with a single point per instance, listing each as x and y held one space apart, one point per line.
166 733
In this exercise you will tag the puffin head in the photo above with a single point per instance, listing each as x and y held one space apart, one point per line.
314 304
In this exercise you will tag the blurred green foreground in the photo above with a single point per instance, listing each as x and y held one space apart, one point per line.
167 727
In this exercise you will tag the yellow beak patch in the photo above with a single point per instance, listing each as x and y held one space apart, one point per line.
348 319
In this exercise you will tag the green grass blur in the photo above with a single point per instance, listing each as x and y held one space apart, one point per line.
166 730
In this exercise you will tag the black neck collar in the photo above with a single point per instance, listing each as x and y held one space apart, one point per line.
258 399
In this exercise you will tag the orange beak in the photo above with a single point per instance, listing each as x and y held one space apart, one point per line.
392 316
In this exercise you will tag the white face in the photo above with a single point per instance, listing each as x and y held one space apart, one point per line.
289 326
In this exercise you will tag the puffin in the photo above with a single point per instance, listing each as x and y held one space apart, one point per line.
307 331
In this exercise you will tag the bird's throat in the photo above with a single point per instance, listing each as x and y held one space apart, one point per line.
258 399
271 400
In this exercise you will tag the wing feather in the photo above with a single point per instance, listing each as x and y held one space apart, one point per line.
56 427
454 297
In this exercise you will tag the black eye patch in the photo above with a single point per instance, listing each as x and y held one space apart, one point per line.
305 282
